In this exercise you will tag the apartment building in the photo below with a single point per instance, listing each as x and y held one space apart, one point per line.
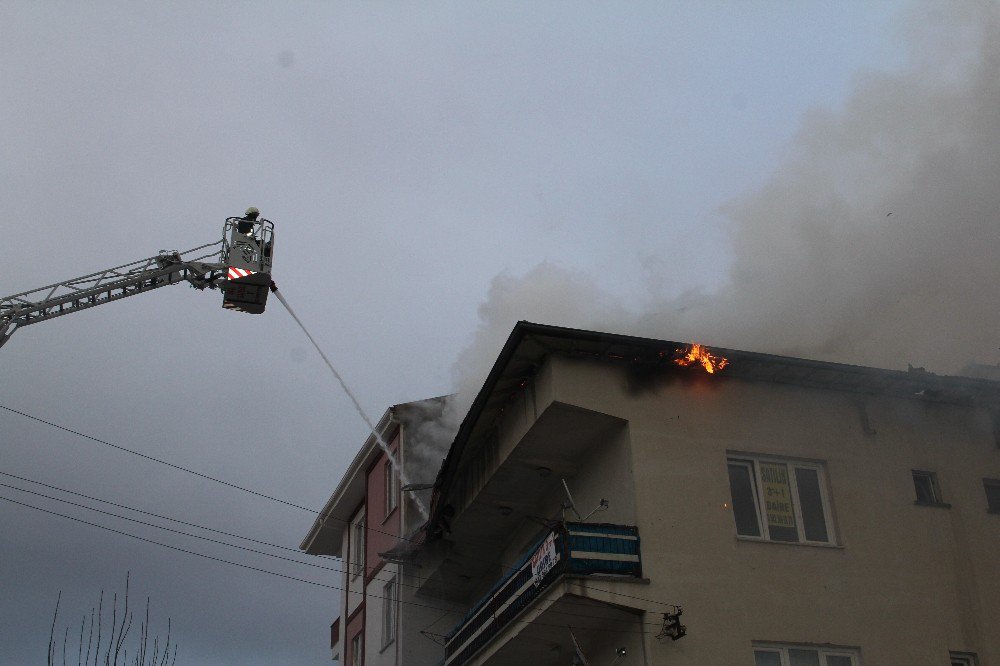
609 501
371 523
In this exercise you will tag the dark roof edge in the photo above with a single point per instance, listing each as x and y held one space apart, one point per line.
521 330
462 436
524 329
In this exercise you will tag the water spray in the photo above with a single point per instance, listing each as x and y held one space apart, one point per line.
357 406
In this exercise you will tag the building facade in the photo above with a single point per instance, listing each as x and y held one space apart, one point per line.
794 512
371 523
607 501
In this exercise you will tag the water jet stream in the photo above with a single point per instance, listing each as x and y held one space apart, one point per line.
357 406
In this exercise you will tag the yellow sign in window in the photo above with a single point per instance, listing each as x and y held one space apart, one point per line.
777 494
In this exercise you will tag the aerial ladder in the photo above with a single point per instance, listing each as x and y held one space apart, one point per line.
239 266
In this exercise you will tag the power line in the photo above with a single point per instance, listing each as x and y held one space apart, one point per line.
181 522
196 473
158 460
234 535
257 493
196 536
131 508
170 529
301 580
191 552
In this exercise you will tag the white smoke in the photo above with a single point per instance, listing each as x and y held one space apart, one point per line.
875 243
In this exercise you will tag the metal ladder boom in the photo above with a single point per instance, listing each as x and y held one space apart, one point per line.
113 284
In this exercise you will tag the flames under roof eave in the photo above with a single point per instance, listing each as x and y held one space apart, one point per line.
743 365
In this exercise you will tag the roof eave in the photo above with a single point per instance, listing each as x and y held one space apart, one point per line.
342 497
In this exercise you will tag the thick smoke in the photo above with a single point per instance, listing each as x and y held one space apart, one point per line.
430 427
874 243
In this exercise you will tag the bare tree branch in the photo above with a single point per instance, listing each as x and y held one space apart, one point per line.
122 630
115 646
100 612
90 638
52 630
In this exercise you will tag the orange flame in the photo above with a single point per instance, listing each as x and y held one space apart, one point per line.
699 354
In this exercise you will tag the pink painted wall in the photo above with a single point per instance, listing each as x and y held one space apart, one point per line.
383 530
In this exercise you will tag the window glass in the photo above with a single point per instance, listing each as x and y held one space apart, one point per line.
744 504
802 655
781 500
766 658
992 487
359 547
391 487
923 484
811 503
389 612
797 657
356 650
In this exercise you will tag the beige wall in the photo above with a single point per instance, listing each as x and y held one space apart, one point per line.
904 583
421 612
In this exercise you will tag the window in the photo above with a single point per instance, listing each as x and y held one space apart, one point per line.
926 486
796 655
357 649
389 612
992 488
780 500
391 487
334 633
963 659
358 545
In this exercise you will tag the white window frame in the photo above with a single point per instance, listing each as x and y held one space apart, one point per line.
753 462
358 547
963 659
391 487
357 648
389 603
823 652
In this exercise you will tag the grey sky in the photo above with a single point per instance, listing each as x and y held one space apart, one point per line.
621 157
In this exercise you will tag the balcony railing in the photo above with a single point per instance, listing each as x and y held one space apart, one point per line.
579 549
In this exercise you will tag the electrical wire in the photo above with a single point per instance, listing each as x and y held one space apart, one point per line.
181 532
235 486
204 538
191 552
158 460
196 473
182 522
296 578
131 508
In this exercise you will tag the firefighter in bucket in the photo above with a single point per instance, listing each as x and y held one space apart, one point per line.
247 245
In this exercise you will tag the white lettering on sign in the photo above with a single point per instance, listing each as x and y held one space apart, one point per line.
544 559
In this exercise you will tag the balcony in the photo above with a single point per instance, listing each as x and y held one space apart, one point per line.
572 549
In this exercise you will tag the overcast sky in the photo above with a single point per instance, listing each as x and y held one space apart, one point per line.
436 171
